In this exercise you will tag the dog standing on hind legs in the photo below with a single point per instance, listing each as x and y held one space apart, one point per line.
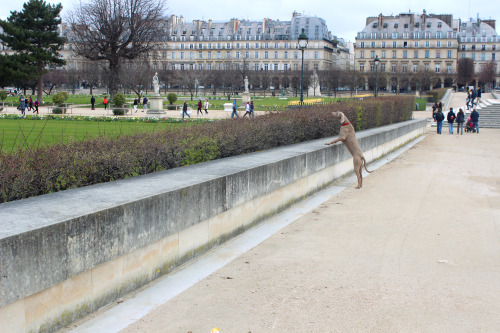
348 138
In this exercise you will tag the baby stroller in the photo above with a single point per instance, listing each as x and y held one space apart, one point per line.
469 126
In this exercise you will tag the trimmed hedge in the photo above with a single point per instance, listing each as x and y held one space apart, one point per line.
50 169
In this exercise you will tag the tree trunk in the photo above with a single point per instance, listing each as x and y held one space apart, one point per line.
40 84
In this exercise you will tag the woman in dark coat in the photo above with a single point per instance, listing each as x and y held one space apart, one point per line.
460 121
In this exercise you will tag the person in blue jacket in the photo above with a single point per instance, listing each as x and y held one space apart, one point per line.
439 120
474 117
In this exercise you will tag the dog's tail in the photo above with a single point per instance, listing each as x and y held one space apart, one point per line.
364 162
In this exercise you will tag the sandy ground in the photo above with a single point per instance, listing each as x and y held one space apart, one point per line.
417 249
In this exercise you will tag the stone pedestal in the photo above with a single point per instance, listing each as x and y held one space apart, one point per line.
245 98
156 105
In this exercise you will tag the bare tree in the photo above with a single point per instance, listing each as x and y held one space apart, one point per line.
92 73
465 71
52 79
136 75
115 30
188 78
487 74
352 79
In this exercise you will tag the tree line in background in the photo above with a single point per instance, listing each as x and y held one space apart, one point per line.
115 39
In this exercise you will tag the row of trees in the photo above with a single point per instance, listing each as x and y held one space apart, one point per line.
118 34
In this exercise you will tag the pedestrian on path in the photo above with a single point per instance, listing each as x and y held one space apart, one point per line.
21 105
247 110
460 121
206 106
451 119
105 103
136 101
36 106
474 117
199 107
251 109
145 104
235 107
439 121
92 101
30 104
434 110
185 110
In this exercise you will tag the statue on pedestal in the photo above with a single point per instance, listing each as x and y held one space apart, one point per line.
246 84
156 84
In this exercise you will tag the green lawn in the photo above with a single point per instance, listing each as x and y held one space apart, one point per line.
24 133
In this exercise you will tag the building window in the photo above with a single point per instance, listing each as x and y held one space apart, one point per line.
266 55
362 54
383 54
438 55
191 55
393 68
405 54
427 44
394 54
361 67
362 45
438 68
483 56
316 66
266 67
382 67
404 68
415 68
415 54
383 45
295 55
449 54
295 67
394 44
256 55
438 44
373 44
427 54
172 55
416 44
237 54
276 67
285 55
276 56
256 67
372 54
182 55
450 44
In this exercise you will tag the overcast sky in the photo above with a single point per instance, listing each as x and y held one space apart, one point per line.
344 18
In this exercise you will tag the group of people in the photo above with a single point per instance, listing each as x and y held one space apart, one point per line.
248 110
471 100
459 118
28 103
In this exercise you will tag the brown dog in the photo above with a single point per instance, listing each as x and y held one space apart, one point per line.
348 138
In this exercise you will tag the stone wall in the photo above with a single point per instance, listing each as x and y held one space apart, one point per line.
65 255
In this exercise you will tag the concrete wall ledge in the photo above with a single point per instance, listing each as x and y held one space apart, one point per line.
67 254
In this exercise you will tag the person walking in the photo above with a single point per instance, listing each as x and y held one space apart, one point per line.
474 117
92 101
460 121
30 104
247 110
473 96
440 106
206 106
136 102
199 107
439 120
185 110
36 106
22 105
235 107
479 92
451 119
467 100
105 103
434 109
144 104
251 109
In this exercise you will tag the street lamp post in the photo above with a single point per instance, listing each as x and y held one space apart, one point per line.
376 61
303 39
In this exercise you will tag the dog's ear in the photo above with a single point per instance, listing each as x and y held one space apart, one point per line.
342 117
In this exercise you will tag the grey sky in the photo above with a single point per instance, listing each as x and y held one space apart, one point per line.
344 18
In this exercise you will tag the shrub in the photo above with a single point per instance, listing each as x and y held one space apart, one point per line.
119 100
32 172
118 112
172 98
3 95
60 98
437 94
171 107
58 110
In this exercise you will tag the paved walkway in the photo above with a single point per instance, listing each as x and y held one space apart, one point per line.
416 249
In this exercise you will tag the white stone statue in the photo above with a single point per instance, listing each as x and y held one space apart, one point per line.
156 84
246 84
